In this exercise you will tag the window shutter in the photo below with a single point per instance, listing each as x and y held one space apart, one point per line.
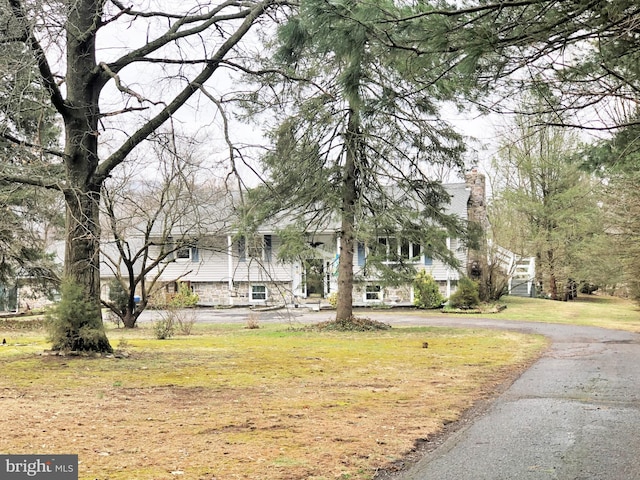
195 254
267 248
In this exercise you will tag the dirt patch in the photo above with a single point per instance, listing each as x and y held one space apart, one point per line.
207 434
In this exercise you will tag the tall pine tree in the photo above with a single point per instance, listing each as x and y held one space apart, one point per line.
358 127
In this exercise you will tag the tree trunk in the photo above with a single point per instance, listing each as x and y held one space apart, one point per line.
344 306
129 319
82 195
553 282
82 267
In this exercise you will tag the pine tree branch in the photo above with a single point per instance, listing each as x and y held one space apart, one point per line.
16 141
43 65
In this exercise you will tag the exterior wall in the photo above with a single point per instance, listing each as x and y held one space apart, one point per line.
212 293
244 268
402 294
29 299
443 272
208 264
217 293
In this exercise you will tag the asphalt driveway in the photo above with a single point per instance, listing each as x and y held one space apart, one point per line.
574 415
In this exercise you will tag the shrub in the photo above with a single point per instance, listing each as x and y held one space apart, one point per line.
333 299
352 324
184 297
75 313
426 291
466 295
178 313
253 321
164 328
118 296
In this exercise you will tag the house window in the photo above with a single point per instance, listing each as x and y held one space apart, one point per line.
402 250
373 292
188 253
258 292
257 247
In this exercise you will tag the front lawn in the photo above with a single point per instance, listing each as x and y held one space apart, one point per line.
229 402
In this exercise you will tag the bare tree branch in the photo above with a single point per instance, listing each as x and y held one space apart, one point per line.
153 124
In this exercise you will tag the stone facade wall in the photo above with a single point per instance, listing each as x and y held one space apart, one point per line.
217 293
477 214
212 293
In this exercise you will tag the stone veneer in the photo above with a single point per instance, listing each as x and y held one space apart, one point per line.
217 293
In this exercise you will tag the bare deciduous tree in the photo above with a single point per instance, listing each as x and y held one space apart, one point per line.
148 222
111 99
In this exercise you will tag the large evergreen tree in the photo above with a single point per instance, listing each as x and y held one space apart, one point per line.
617 162
358 125
585 54
544 205
28 218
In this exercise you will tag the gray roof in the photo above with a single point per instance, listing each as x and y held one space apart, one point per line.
217 216
460 193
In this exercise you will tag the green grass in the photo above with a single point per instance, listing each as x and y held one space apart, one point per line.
592 310
273 402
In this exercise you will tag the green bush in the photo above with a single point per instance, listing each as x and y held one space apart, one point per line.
184 298
466 295
164 328
178 316
75 323
333 299
118 296
426 292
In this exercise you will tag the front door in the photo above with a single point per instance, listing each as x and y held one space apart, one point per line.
314 275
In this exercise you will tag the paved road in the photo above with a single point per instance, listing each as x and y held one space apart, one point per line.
574 415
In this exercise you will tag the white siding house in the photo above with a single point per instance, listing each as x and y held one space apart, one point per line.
229 269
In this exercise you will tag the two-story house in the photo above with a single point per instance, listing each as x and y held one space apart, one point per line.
229 269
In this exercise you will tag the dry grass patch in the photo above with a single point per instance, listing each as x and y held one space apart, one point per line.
268 403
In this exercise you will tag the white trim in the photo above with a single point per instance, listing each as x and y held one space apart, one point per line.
183 259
